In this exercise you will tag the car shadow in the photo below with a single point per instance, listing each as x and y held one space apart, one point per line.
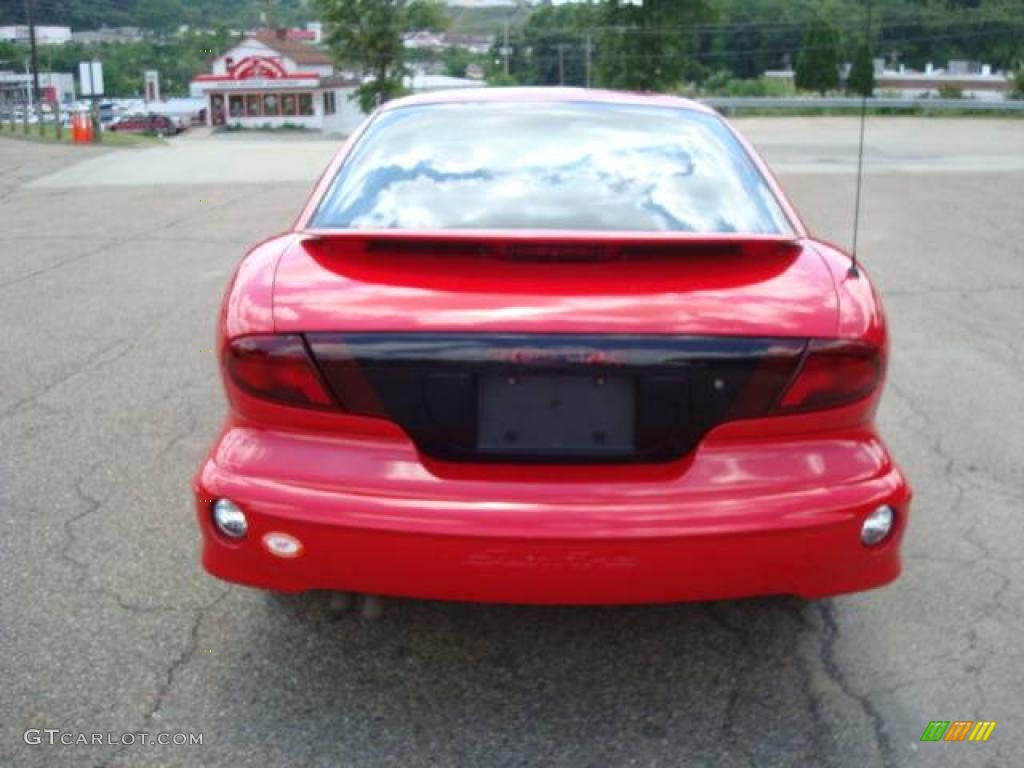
449 683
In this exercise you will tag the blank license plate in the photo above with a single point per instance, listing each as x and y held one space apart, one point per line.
556 415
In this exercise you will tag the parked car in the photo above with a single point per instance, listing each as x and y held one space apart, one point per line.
161 125
551 346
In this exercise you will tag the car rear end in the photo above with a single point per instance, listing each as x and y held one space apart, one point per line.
551 351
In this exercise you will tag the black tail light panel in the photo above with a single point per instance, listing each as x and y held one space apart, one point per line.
677 389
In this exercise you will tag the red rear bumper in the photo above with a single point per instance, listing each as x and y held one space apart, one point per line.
736 519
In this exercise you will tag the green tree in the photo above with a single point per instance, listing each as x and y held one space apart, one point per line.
1018 82
817 66
11 56
862 73
555 41
648 47
160 16
456 60
366 35
751 36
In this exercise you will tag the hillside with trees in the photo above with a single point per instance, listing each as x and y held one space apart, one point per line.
714 45
708 43
157 16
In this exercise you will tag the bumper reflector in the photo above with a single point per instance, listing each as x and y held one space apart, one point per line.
282 544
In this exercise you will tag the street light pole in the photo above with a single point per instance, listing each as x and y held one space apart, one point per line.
504 50
589 61
29 15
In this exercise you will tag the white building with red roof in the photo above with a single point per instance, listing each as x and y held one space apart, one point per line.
268 80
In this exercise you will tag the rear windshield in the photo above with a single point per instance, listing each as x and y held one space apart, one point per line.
550 166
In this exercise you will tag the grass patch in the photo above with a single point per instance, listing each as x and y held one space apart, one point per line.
49 136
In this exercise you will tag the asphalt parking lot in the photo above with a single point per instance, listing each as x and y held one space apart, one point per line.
111 268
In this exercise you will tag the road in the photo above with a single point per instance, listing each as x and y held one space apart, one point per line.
112 267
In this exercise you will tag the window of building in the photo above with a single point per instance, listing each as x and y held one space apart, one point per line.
252 105
270 105
235 105
329 105
305 103
289 104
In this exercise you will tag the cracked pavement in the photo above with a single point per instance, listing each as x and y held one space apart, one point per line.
109 396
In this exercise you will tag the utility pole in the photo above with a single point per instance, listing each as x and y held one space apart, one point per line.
589 59
504 49
29 17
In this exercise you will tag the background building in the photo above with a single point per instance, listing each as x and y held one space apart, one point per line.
45 35
970 79
16 87
108 35
268 80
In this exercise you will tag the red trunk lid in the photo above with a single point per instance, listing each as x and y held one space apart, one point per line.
719 285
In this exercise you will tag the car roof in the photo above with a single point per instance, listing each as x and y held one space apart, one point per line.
518 95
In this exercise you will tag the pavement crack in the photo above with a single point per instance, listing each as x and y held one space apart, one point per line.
97 361
183 659
92 505
105 245
732 703
190 427
827 654
109 243
172 671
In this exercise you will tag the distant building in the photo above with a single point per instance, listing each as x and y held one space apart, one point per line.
425 40
965 67
270 80
119 35
45 35
291 34
16 87
420 82
974 79
473 43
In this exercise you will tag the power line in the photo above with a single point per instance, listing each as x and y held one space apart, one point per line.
696 54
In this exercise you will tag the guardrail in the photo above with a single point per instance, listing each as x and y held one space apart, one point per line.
729 103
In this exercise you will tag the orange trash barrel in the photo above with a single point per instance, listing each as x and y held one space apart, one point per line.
81 128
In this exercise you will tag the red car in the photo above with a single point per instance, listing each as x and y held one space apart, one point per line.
161 125
551 346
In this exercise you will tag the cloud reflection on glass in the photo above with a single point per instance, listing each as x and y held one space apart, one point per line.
551 166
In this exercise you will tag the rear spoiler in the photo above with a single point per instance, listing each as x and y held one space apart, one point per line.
554 245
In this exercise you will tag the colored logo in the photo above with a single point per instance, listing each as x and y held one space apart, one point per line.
958 730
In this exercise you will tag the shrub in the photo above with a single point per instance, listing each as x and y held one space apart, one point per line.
723 84
1018 82
817 66
862 73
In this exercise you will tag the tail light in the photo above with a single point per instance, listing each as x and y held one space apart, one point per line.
833 374
276 368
